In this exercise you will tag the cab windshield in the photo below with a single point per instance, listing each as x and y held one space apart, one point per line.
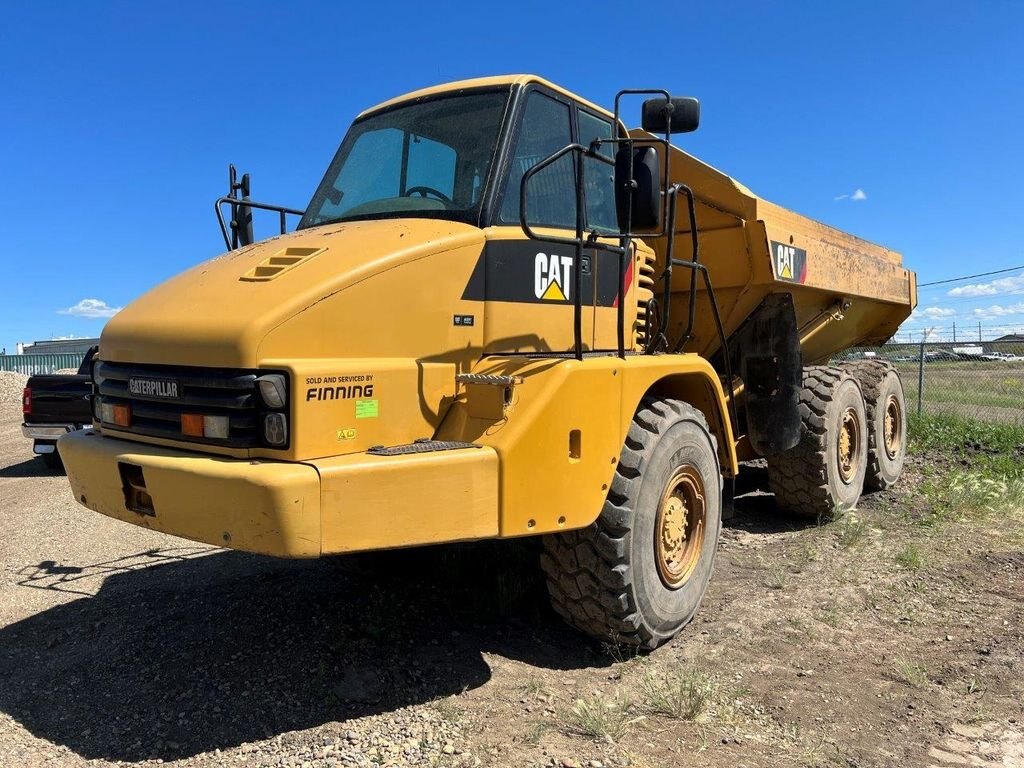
428 160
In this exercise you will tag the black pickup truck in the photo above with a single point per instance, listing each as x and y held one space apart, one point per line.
55 404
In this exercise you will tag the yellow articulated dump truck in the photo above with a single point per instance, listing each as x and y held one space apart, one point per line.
505 314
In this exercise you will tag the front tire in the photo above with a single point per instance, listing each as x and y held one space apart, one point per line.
637 574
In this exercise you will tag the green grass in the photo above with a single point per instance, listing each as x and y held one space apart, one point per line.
911 673
682 694
910 557
851 530
599 717
1003 393
993 449
776 578
999 385
535 688
987 473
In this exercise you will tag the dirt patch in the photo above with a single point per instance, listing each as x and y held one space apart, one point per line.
878 640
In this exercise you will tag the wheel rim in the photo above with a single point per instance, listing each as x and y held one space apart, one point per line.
848 446
679 529
892 426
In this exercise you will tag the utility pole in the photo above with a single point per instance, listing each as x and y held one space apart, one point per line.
954 331
979 330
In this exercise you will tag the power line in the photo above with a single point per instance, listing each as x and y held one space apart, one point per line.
969 277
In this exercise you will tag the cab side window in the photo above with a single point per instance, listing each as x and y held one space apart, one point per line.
598 177
551 196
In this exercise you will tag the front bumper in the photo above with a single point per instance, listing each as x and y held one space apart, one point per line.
267 507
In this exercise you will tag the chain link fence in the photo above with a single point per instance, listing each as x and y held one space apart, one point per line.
980 380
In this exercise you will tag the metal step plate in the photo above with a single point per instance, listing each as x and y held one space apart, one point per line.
419 446
488 379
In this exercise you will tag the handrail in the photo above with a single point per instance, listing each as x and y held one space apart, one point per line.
578 241
234 201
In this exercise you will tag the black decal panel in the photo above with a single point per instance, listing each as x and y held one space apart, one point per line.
535 272
789 262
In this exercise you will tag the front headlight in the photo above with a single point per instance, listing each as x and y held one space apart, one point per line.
273 390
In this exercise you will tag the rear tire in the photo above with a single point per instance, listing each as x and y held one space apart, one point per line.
823 475
637 574
886 410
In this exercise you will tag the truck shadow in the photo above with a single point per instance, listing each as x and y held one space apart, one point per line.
178 653
753 509
33 467
169 653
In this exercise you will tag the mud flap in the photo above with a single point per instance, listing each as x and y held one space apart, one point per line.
766 352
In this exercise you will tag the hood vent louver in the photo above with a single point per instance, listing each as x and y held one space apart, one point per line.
279 263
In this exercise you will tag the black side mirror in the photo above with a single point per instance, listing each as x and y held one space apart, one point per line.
643 189
241 215
243 222
680 115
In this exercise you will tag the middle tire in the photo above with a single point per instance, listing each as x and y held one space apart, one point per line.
824 473
637 574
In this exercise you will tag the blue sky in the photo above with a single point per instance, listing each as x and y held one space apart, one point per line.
117 121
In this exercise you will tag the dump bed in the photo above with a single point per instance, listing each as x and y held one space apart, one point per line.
846 291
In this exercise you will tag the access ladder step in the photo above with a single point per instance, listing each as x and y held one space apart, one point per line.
424 445
489 379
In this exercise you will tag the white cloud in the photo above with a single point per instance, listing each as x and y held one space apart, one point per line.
932 313
1001 287
857 195
91 308
999 311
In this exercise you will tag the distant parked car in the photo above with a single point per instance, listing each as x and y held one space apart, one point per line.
54 404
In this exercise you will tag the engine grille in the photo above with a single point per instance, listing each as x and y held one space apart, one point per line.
206 391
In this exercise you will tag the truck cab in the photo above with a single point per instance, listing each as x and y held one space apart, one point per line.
303 353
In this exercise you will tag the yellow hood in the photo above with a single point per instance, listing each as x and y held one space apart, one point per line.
216 313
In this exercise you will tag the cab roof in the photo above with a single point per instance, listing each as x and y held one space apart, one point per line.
483 82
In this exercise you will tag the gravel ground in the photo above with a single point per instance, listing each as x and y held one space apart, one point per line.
11 386
122 646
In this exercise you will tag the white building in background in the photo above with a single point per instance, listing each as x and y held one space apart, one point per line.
57 347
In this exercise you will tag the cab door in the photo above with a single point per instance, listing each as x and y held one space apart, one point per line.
600 216
527 285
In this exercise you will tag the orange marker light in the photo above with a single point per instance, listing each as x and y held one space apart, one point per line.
192 424
122 415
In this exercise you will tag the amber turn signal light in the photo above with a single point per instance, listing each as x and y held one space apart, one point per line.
192 424
122 415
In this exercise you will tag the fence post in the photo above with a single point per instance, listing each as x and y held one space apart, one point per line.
920 380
